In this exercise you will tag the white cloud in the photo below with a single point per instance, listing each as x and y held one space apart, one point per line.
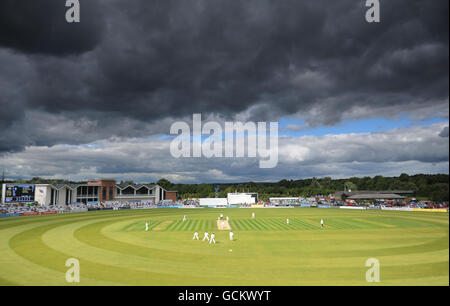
411 150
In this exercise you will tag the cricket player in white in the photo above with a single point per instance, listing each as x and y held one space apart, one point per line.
228 219
212 239
231 236
195 236
206 237
287 221
184 218
223 224
253 215
321 222
146 226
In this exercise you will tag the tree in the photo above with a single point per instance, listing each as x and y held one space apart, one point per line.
350 186
404 177
315 183
164 183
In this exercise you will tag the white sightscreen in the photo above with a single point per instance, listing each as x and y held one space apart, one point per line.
213 201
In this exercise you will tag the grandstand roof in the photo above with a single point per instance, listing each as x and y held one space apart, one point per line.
368 196
70 186
135 186
374 193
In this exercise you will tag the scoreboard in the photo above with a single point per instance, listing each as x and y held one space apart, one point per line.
19 193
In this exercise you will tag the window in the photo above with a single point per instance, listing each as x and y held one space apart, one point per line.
142 191
128 190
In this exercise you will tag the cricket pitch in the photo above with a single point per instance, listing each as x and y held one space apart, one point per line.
223 225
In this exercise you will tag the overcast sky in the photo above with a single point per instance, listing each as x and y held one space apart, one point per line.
97 99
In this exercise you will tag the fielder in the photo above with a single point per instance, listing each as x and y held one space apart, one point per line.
146 226
321 222
231 236
287 221
184 218
253 215
206 237
212 239
195 236
228 219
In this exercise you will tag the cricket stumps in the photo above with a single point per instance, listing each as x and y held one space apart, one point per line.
223 225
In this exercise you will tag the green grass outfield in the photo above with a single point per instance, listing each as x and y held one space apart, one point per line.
114 249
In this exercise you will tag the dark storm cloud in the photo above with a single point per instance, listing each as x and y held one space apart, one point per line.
257 59
40 27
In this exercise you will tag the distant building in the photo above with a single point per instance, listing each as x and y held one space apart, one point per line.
370 194
91 192
213 202
171 195
286 200
242 198
376 196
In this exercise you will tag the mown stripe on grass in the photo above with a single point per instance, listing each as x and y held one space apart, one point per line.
276 225
139 226
55 260
236 225
356 224
193 225
128 260
403 222
184 225
337 223
163 225
172 226
245 224
281 224
203 225
305 225
267 225
378 224
256 225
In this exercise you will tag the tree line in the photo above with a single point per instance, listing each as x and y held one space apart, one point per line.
434 187
426 187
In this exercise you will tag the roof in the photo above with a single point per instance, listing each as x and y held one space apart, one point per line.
351 193
70 186
60 186
75 186
135 186
375 196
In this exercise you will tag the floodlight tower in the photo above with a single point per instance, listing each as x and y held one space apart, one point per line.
3 188
216 189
